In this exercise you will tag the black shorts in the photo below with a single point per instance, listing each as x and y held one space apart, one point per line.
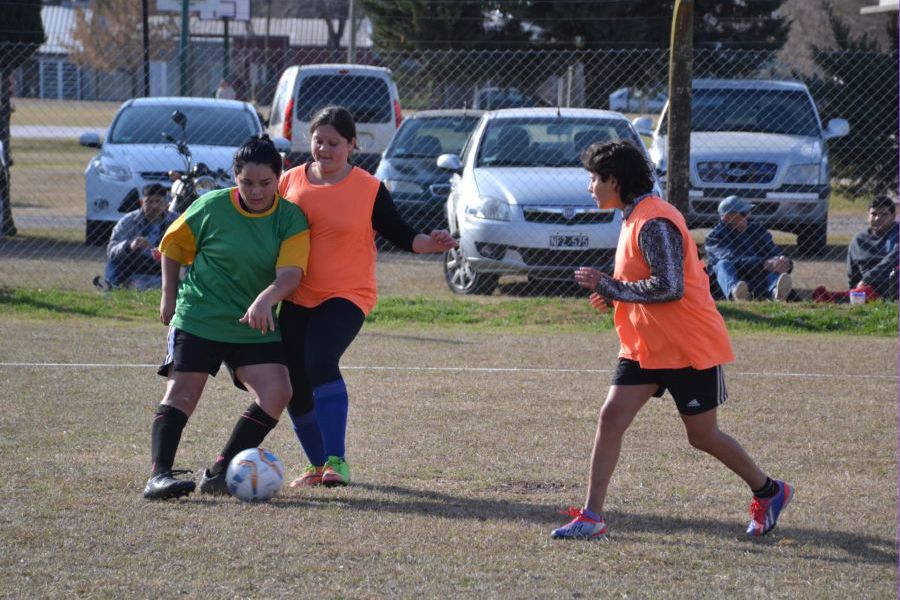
186 352
694 391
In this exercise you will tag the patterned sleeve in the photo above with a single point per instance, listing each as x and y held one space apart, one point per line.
663 249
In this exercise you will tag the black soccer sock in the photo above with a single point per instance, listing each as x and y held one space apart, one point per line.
165 435
768 490
249 432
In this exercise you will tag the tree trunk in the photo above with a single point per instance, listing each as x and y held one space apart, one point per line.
7 226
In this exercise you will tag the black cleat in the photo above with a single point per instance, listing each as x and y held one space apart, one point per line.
163 486
214 485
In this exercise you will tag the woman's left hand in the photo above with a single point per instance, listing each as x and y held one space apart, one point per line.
442 240
259 316
438 240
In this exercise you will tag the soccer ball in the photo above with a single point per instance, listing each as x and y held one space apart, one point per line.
254 475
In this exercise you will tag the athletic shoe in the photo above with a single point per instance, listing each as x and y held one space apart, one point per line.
783 287
336 472
764 511
312 476
582 527
214 485
164 485
740 292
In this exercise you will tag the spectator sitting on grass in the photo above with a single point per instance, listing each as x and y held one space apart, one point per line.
743 257
132 249
872 257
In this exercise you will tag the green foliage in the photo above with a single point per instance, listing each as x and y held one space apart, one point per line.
649 23
21 32
860 85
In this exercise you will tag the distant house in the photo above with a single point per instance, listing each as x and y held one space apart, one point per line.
254 64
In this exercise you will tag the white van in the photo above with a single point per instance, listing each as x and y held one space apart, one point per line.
369 93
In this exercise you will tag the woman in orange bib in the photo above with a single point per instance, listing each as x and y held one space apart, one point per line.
672 338
345 206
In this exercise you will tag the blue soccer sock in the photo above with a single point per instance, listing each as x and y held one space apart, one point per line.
332 405
307 429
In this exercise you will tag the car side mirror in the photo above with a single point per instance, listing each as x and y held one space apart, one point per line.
179 118
89 140
450 162
643 125
836 128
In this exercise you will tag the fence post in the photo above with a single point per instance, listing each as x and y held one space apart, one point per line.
678 169
183 48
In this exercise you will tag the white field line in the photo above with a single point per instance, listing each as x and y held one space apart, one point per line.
454 370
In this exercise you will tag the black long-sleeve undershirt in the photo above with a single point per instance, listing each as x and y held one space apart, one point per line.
388 222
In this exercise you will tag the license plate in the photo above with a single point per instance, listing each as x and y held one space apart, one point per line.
569 240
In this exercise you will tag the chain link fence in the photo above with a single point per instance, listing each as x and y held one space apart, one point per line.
808 155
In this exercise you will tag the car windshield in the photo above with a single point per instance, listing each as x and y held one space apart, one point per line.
548 141
206 125
761 111
367 98
429 137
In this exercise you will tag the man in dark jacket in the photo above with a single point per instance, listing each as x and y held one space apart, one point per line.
133 258
872 256
746 262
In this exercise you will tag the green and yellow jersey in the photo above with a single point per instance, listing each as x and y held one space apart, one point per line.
233 256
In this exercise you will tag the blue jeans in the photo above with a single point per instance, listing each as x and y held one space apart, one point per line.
138 273
761 282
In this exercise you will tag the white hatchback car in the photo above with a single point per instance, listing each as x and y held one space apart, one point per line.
134 153
519 199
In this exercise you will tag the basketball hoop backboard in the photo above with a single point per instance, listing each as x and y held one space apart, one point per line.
236 10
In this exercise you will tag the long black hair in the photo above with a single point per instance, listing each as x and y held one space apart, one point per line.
259 150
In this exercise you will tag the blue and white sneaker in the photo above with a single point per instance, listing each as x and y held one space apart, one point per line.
764 511
581 527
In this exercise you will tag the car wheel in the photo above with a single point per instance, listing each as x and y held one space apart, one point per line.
96 233
812 240
462 278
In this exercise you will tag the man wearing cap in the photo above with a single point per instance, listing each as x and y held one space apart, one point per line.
872 256
746 262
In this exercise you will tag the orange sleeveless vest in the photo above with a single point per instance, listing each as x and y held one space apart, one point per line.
688 332
342 250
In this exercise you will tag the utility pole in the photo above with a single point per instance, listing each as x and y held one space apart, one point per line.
145 22
183 48
681 50
226 62
351 41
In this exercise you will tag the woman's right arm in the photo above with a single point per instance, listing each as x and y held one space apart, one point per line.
170 268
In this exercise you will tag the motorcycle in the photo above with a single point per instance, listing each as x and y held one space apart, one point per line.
196 179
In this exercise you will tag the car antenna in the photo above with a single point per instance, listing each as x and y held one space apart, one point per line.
557 112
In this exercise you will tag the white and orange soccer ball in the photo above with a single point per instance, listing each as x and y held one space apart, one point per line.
254 475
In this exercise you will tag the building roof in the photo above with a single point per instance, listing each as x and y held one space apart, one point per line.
59 22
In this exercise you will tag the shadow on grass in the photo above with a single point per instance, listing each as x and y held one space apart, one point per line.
859 548
56 307
42 248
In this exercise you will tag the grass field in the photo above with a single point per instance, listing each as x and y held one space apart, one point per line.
464 442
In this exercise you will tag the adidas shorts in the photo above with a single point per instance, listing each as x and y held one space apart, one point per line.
694 391
193 354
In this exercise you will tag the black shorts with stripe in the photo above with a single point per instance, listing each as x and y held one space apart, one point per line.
694 391
191 353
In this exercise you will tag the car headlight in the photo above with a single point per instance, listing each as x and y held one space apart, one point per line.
204 184
398 186
803 174
114 171
494 209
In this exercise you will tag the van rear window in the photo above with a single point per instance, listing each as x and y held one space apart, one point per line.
367 98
